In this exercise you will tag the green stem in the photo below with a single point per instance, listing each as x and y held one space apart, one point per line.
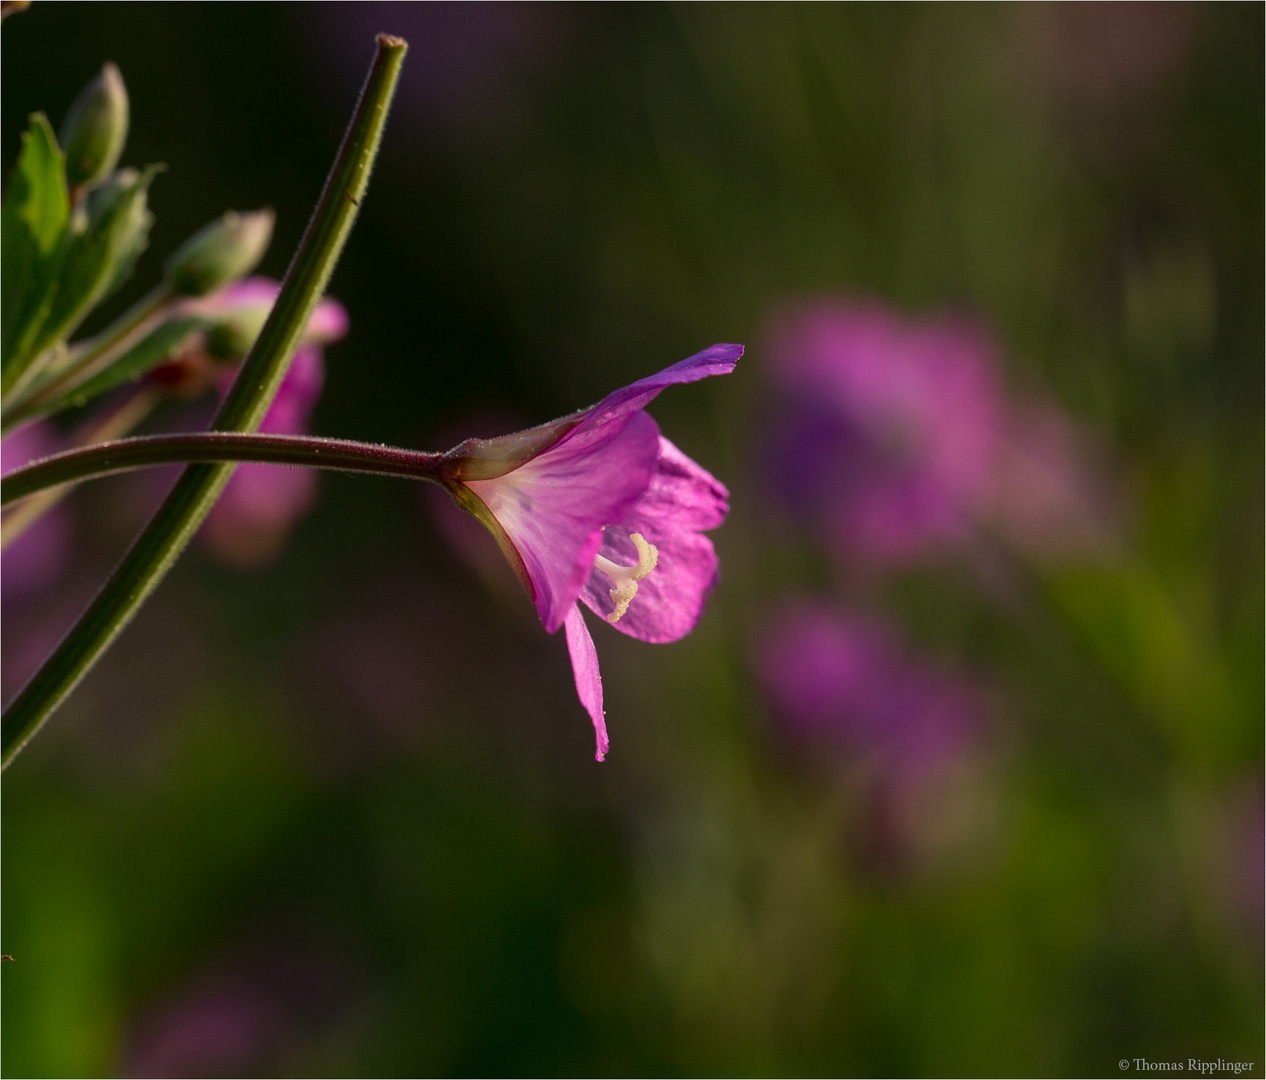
122 455
93 355
173 525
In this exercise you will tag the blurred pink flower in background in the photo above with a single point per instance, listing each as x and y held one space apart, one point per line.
896 439
889 428
912 734
839 679
257 1003
254 297
250 521
35 560
222 1028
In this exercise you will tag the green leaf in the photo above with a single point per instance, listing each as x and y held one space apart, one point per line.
107 235
161 343
34 222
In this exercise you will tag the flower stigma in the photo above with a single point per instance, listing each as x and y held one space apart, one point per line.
627 577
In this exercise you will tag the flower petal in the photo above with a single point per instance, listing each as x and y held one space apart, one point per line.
714 360
682 499
487 459
553 507
584 666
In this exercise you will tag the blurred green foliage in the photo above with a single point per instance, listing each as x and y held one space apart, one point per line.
351 795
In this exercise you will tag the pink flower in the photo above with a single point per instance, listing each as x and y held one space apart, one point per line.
249 522
897 439
839 678
893 426
37 558
912 734
599 507
251 299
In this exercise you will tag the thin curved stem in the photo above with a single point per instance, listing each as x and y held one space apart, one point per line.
174 523
122 455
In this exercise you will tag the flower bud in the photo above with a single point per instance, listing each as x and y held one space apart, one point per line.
95 128
220 253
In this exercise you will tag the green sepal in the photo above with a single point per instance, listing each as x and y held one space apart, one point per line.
108 233
34 223
160 344
487 459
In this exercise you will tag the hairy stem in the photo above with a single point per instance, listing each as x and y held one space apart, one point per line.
122 455
173 525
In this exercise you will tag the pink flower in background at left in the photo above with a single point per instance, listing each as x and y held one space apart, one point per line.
254 297
600 508
36 558
249 523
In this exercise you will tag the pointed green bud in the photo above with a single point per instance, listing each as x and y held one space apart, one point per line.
220 253
95 128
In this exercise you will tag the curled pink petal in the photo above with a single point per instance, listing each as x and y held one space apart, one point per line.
714 360
584 666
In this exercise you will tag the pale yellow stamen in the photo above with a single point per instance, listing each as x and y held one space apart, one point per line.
627 577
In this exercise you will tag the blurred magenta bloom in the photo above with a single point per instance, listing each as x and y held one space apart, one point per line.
896 439
250 521
257 1004
255 296
890 428
836 679
223 1028
36 559
599 507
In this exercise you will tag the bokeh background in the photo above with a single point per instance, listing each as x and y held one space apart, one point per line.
961 771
